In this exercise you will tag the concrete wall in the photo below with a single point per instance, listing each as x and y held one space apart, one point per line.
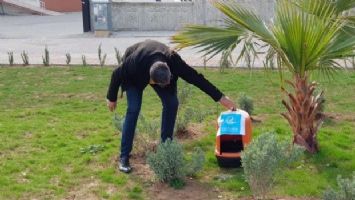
172 16
63 5
35 3
150 16
10 9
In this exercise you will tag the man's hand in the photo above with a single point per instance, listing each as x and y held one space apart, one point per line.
111 105
227 103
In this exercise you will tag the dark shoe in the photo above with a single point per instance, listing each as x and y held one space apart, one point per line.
124 165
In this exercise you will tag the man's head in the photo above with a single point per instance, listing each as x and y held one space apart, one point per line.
160 73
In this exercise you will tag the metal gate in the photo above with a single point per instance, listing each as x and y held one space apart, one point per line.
86 15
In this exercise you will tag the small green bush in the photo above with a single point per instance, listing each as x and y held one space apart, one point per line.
177 183
183 120
263 158
184 93
246 103
169 165
148 126
346 190
168 162
197 162
145 139
187 116
145 135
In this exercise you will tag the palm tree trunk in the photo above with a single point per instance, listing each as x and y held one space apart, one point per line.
304 112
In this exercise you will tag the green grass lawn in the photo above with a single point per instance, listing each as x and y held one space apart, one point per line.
47 115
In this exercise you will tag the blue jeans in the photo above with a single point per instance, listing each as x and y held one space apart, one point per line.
170 104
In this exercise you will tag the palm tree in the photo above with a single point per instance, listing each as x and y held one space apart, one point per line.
304 36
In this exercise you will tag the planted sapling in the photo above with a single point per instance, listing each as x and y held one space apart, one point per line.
102 59
68 58
118 56
25 58
11 58
45 57
83 58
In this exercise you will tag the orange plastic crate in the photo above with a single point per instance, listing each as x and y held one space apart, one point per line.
229 146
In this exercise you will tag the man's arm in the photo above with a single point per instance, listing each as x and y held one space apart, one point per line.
190 75
113 89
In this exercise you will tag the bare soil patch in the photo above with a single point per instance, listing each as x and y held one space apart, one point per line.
141 169
193 190
192 132
282 198
84 191
89 190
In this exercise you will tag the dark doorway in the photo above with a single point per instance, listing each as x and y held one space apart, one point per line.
86 15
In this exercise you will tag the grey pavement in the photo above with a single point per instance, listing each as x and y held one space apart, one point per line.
63 34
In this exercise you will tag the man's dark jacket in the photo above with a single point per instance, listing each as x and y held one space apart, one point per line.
137 60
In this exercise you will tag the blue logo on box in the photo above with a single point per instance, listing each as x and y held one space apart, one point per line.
230 124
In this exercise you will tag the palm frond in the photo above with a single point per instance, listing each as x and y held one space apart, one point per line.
338 6
349 24
316 7
327 69
341 47
226 60
247 19
249 51
344 5
210 40
303 36
254 24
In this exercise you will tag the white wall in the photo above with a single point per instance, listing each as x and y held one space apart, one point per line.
35 3
172 16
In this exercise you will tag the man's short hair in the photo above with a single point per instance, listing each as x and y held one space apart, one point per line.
160 73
